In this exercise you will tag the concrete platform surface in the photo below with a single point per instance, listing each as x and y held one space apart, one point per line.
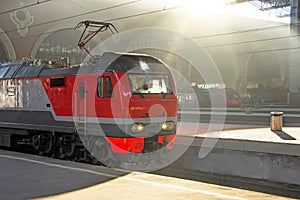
242 151
241 132
244 137
32 177
288 135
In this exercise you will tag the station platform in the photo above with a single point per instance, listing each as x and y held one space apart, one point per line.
229 150
242 151
284 142
33 177
288 135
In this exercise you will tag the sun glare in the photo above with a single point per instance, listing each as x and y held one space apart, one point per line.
228 7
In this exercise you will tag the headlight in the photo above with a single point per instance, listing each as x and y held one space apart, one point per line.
137 127
168 126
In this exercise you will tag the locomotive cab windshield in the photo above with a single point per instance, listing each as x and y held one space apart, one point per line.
150 83
146 74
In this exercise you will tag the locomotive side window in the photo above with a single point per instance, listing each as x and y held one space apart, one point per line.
104 84
57 82
100 87
109 87
82 90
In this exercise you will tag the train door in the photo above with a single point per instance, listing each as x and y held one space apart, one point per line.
80 107
104 95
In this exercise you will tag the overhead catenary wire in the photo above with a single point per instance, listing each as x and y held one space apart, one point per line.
146 13
268 50
26 6
142 14
106 20
252 41
246 31
78 15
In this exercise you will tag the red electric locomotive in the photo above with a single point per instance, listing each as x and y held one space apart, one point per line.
124 103
120 108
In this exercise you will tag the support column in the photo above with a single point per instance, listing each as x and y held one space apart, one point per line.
294 55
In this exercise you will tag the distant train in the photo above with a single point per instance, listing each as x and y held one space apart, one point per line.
205 96
119 107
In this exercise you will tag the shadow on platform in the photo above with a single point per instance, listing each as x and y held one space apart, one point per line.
283 135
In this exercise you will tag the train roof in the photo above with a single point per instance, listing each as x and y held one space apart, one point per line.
109 61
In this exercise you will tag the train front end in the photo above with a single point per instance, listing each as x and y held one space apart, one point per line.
147 111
